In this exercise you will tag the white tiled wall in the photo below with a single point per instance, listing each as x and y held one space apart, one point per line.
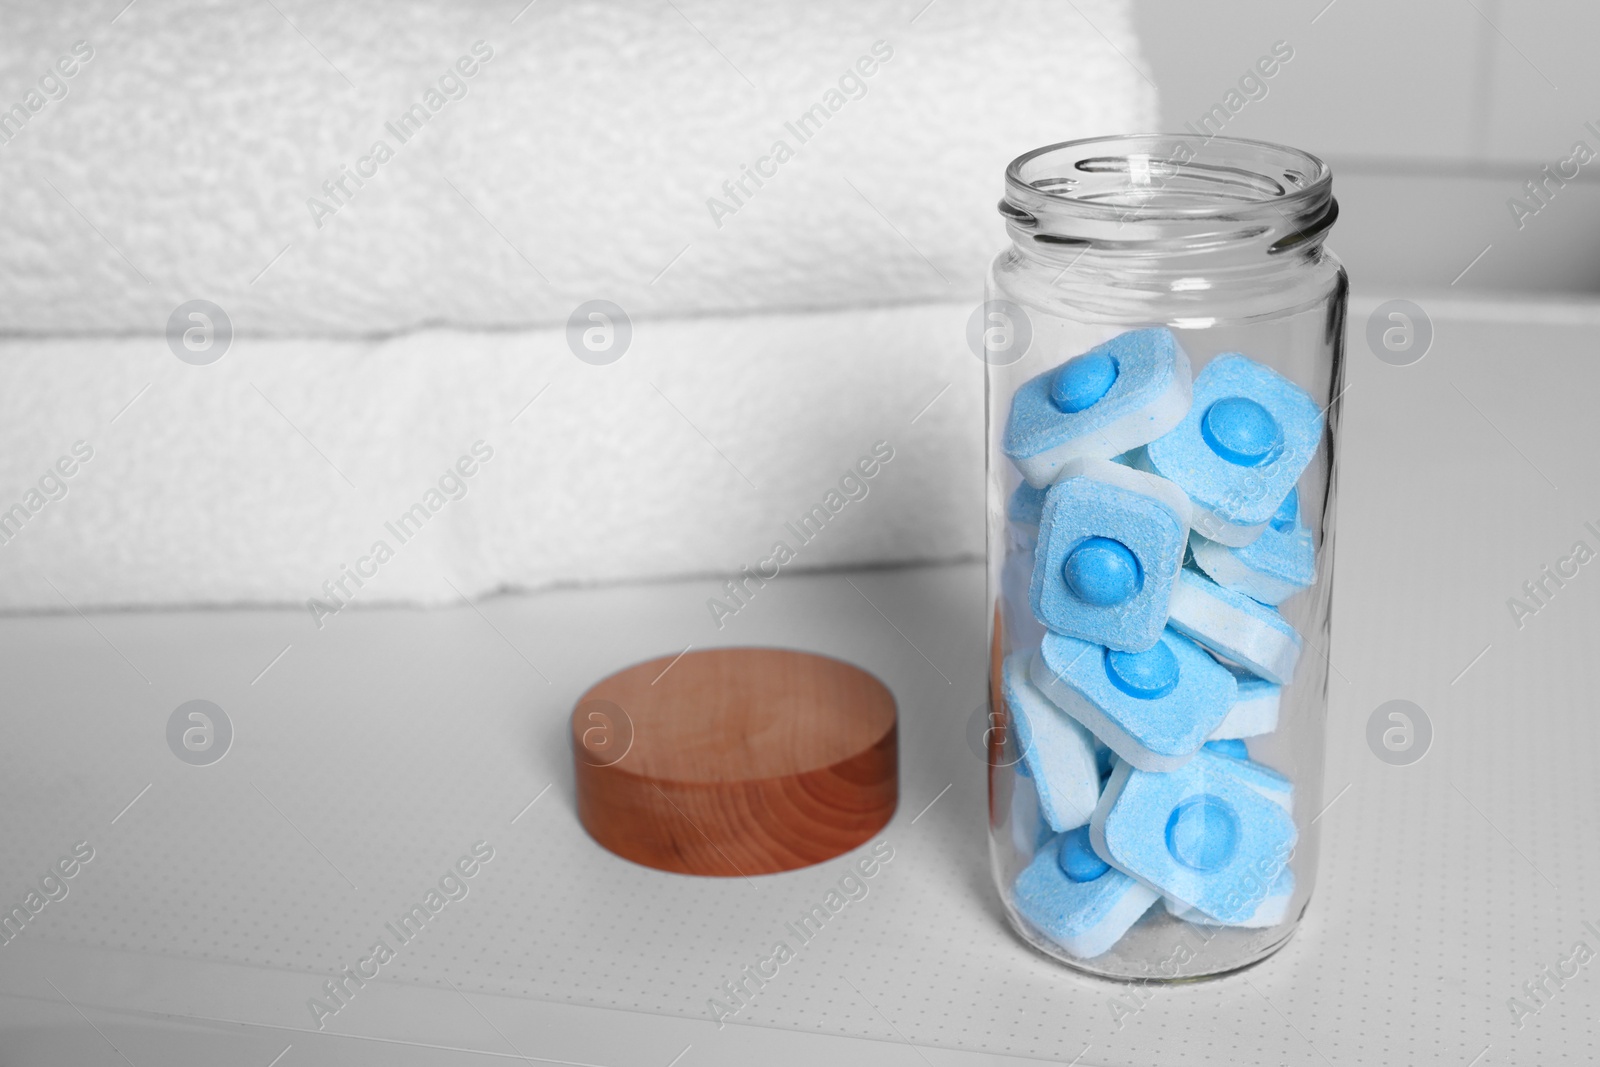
1548 39
1433 114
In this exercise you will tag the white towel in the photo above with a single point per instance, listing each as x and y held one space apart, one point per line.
278 468
578 164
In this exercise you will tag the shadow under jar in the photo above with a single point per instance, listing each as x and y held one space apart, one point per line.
1164 350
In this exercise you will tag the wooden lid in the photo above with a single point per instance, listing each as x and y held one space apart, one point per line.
735 761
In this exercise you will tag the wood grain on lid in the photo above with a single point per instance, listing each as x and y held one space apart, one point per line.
735 761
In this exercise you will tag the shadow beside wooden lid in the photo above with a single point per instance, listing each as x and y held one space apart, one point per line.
735 761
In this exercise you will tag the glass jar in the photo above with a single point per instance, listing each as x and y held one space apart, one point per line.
1164 346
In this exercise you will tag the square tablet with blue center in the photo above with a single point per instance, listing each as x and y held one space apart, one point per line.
1076 899
1243 445
1201 835
1116 396
1111 542
1154 709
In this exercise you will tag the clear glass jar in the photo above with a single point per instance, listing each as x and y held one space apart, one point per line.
1156 759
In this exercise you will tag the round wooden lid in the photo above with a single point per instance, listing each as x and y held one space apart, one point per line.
735 761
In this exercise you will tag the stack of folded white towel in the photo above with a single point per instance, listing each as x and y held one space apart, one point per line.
397 209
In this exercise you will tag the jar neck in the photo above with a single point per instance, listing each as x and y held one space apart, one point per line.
1156 210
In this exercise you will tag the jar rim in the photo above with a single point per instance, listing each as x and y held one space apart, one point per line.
1223 177
1168 194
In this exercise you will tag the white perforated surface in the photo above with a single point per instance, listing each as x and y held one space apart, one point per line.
379 749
